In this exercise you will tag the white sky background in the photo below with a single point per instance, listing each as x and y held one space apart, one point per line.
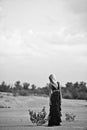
40 37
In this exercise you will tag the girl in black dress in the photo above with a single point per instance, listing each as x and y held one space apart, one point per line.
55 102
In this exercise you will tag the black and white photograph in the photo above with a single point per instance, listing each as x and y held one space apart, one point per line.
43 64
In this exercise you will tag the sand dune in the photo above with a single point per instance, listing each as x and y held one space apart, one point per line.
14 112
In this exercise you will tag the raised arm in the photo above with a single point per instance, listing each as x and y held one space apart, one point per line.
50 91
59 87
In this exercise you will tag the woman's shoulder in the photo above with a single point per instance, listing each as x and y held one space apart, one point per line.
50 85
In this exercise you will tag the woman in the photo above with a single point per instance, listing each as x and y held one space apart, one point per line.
55 102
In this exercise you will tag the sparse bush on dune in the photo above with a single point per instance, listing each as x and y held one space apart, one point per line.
70 116
38 118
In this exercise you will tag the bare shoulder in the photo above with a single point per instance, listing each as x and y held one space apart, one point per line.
50 85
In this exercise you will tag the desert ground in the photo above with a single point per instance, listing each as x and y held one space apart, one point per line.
14 113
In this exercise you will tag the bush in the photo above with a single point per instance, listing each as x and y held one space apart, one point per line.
67 95
70 116
23 92
38 118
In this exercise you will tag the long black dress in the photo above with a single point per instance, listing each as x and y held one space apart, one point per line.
55 107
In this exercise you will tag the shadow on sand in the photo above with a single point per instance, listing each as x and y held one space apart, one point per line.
23 126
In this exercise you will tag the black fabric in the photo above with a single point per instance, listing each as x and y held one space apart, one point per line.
55 109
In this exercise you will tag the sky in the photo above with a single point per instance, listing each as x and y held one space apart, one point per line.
43 37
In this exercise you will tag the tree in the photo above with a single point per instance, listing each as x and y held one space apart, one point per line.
26 85
69 84
4 87
76 85
18 85
82 86
33 86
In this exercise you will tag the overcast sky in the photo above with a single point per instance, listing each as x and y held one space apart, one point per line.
40 37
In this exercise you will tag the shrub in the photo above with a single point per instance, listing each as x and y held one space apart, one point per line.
70 116
23 92
38 118
67 95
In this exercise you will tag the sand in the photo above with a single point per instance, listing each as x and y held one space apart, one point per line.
14 113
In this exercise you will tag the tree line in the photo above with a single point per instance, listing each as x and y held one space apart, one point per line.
70 91
75 90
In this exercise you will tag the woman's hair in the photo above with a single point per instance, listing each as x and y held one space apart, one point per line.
52 78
